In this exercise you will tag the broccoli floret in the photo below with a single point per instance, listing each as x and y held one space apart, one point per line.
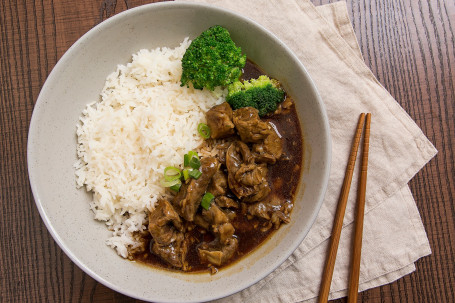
212 60
262 93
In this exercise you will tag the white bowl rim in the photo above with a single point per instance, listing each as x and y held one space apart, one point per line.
67 56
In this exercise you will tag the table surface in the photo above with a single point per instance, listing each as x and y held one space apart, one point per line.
408 44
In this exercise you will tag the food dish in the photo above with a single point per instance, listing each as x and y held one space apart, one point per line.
237 183
79 76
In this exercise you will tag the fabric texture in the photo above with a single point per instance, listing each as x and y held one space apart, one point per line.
394 236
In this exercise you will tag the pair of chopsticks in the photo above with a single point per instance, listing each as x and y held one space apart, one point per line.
337 225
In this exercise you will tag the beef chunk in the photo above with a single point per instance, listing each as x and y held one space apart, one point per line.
251 174
269 150
246 179
167 231
217 253
237 154
189 197
218 186
225 202
214 215
272 210
249 126
165 225
219 119
219 223
201 222
224 246
250 182
268 146
174 253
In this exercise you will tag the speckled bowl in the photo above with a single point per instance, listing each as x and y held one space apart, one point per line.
79 77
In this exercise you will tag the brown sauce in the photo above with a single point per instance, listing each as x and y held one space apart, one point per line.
283 178
250 71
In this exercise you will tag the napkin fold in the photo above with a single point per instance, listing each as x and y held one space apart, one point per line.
394 237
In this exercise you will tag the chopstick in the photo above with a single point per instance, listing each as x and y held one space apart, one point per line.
355 269
341 208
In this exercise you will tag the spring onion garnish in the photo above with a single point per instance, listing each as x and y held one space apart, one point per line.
176 187
207 200
186 174
173 176
191 159
165 183
195 163
203 130
172 173
187 157
194 173
192 154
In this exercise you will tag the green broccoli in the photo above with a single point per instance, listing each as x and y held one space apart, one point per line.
262 93
212 60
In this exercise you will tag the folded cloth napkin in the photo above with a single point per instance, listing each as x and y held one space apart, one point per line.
394 237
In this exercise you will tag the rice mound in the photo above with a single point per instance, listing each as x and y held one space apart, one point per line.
144 122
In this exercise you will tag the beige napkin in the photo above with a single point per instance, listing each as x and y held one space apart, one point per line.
394 237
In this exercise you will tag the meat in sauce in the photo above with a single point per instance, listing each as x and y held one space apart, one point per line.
253 179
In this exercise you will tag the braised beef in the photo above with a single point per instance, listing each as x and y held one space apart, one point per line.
219 119
219 223
249 125
253 177
165 224
271 210
174 253
269 150
237 154
189 197
200 221
218 186
166 228
216 253
226 202
246 179
268 146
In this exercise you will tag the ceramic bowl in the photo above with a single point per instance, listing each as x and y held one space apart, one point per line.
78 78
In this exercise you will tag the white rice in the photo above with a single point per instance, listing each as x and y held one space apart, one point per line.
144 122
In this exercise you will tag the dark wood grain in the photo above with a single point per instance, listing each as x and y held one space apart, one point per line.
408 44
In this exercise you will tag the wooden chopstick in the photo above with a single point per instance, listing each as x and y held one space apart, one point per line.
355 267
338 223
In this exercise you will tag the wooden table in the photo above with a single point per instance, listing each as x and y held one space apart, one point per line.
409 45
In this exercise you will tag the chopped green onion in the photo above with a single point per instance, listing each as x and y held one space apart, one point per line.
186 174
186 160
195 163
192 154
207 200
172 173
194 173
165 183
203 130
191 159
176 187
